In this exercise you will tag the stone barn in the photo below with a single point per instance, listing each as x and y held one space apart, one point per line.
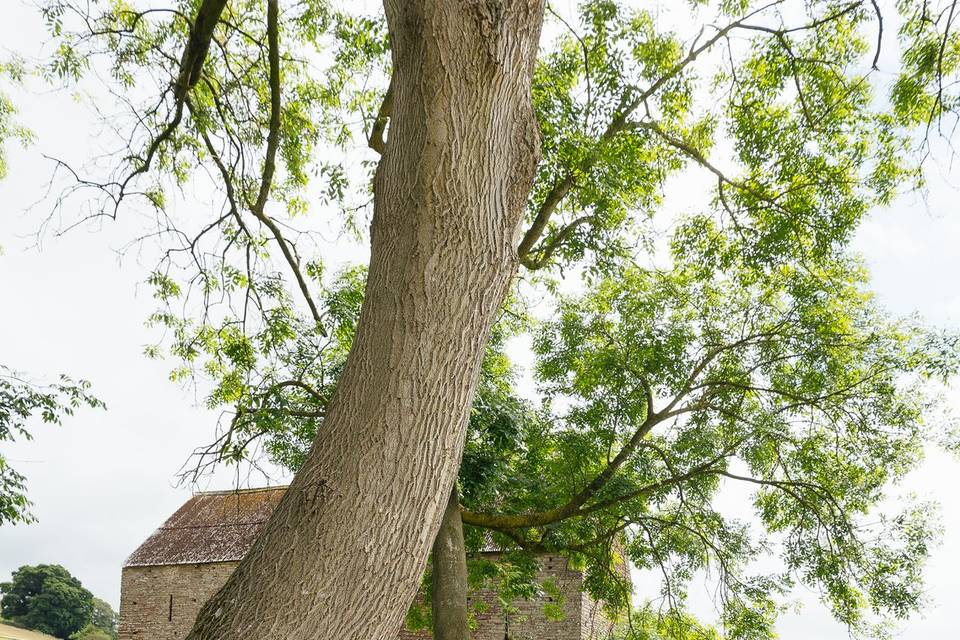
184 562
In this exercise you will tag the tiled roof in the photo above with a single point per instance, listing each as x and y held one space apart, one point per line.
218 526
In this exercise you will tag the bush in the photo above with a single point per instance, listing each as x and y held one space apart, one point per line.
91 632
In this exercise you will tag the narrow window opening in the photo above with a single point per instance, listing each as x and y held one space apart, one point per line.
170 610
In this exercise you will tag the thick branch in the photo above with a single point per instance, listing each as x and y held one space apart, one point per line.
574 508
550 246
273 136
195 53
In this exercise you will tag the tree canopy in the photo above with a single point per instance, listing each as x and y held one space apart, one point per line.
48 599
697 316
662 388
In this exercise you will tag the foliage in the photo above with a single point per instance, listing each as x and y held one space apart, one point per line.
709 379
19 400
14 72
48 599
92 632
808 394
923 93
103 621
646 623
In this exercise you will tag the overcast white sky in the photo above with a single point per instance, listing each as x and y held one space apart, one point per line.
105 480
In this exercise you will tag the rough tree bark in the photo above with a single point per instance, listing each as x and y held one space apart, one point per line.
342 555
449 593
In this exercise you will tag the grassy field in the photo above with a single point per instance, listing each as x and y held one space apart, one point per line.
15 633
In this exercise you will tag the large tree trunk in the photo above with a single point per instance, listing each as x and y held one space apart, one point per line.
342 555
449 593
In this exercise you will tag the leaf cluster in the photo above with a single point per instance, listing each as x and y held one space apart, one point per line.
20 399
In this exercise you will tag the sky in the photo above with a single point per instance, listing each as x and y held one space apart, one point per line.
105 480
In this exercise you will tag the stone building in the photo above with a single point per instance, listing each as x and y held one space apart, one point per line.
184 562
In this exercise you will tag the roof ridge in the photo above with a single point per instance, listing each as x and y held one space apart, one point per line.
224 492
245 523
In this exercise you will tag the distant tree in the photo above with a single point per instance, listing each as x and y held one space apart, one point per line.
48 599
21 398
104 619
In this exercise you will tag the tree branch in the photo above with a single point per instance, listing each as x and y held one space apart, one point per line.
619 123
198 44
269 163
574 508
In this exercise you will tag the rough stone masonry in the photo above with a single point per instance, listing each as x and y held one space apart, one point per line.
184 562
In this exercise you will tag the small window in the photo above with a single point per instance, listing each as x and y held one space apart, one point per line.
170 610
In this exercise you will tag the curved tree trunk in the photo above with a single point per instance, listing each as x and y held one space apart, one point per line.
449 598
342 555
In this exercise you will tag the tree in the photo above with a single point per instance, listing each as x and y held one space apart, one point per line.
670 383
20 398
773 101
104 619
46 598
674 382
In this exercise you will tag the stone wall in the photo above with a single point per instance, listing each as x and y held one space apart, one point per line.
161 603
581 620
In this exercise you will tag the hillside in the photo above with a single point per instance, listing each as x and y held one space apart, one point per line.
15 633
